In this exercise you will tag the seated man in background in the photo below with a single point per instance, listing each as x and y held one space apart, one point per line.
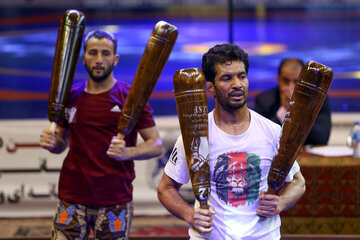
273 103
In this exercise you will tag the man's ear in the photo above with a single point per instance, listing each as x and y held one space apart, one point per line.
211 88
116 59
83 58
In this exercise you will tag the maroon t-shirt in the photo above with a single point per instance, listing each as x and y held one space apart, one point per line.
88 176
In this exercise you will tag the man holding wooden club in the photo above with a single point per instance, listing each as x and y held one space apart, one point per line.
242 145
95 186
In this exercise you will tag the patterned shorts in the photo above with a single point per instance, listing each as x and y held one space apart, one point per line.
74 221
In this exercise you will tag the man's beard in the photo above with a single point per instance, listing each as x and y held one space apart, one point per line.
99 78
226 104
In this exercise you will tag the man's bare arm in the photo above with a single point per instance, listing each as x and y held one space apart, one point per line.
291 192
270 205
151 147
169 196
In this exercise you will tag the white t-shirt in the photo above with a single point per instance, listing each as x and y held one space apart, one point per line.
239 169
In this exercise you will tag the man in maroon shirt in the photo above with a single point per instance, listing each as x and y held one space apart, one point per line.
95 186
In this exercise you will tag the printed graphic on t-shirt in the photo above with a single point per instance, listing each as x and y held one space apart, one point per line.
115 109
70 114
237 178
173 156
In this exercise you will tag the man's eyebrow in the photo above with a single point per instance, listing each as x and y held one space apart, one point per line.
232 74
286 79
225 75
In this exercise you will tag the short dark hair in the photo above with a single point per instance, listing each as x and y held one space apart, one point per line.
99 34
222 53
285 60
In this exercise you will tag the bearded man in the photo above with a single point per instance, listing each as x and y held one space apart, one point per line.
95 186
242 145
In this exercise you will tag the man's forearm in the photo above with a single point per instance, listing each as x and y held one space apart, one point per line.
176 205
292 192
148 149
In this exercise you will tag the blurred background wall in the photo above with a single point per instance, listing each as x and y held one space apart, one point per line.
326 31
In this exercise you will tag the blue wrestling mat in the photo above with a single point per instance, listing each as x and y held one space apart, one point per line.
27 49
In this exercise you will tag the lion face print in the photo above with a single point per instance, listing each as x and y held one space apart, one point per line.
237 178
